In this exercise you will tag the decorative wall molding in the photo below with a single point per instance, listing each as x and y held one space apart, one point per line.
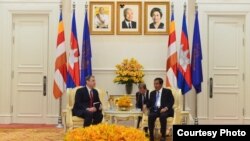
112 71
5 118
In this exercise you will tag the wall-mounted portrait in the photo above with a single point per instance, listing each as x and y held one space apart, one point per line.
129 18
101 18
156 18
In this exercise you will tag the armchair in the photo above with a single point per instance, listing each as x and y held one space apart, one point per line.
70 121
170 120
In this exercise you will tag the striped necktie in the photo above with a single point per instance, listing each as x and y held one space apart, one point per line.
91 98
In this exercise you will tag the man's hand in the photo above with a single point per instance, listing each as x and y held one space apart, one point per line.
164 110
92 109
100 108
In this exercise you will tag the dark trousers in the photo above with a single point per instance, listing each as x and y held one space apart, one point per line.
151 123
92 118
138 124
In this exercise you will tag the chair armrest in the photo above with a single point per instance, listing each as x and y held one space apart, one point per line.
177 116
64 117
69 120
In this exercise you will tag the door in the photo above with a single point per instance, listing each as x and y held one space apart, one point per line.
29 68
226 69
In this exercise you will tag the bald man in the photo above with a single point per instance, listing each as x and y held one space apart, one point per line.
128 17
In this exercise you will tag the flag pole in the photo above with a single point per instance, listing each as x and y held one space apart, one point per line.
184 97
60 125
196 120
86 6
184 119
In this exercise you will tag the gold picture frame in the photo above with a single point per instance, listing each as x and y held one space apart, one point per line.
156 18
129 18
101 18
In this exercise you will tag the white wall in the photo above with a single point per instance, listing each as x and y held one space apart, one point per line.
107 51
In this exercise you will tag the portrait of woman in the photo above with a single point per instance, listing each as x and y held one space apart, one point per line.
156 18
156 15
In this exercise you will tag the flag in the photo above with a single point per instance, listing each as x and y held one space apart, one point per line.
172 56
184 68
59 85
86 68
73 78
196 64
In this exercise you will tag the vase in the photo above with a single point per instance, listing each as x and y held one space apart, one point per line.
129 88
121 108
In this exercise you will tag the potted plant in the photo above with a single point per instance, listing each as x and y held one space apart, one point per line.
129 72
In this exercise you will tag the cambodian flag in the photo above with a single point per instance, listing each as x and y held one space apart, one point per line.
184 81
73 78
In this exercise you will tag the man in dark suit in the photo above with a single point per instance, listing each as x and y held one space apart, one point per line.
160 105
141 101
87 103
128 17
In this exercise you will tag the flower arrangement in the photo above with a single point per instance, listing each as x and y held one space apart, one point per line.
106 132
124 101
129 71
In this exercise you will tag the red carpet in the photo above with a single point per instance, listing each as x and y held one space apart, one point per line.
30 132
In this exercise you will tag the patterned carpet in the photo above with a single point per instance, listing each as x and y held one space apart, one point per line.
30 133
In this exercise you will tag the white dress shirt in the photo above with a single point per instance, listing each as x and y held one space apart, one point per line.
89 90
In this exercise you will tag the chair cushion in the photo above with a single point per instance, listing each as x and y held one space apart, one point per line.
77 119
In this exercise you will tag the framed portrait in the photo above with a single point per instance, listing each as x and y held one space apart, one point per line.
129 18
101 17
156 18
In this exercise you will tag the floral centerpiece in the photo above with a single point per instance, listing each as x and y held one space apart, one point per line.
106 132
124 103
129 72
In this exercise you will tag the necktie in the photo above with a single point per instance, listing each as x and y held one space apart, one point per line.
91 98
129 25
142 101
157 98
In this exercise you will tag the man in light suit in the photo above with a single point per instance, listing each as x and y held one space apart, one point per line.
128 17
160 105
87 103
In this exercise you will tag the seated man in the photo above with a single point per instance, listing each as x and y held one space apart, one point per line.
87 103
160 105
141 101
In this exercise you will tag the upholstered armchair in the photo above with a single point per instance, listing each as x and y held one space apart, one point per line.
171 120
71 122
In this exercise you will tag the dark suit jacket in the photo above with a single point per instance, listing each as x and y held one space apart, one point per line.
124 25
167 100
161 26
82 101
139 103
